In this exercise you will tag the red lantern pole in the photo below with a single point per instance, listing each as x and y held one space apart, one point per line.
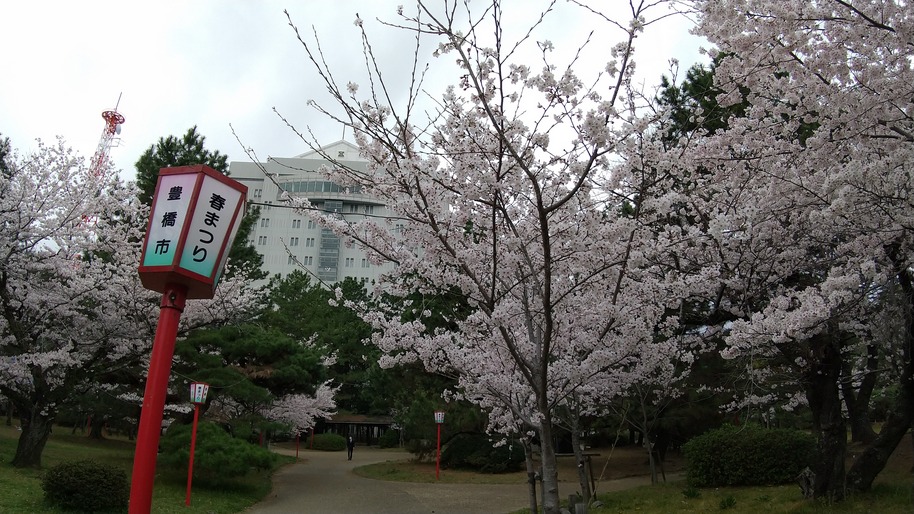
147 440
439 420
438 459
193 444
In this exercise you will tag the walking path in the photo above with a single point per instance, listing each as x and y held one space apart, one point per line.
323 483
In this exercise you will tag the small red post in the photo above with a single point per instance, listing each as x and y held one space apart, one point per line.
193 444
147 440
439 420
438 458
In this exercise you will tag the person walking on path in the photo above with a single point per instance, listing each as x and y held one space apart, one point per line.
350 445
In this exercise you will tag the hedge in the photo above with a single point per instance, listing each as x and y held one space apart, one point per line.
747 455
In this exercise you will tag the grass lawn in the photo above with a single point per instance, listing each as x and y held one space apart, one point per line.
675 497
20 489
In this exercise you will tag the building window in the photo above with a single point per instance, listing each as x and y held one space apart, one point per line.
365 263
257 193
296 223
309 261
350 262
264 222
311 224
291 260
262 240
293 241
309 242
341 154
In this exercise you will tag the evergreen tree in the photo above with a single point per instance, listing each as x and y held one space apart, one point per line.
173 151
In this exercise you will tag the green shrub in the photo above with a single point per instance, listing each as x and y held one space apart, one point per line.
727 502
389 439
217 456
478 452
421 448
86 486
329 442
747 455
691 492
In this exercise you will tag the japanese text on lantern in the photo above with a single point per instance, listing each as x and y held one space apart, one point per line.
209 226
168 220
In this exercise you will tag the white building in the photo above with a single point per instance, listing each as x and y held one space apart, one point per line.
287 239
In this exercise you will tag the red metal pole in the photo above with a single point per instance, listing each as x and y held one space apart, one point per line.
147 440
193 444
438 458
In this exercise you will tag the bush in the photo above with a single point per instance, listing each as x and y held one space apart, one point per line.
329 442
217 457
421 448
747 455
477 452
87 486
389 439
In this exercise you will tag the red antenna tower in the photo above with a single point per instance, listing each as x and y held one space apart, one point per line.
110 138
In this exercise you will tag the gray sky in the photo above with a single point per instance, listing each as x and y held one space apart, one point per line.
213 63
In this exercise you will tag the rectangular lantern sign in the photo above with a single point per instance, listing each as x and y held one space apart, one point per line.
195 216
198 392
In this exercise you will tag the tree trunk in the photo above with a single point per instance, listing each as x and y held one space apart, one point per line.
873 460
531 472
35 431
95 432
828 421
858 401
579 458
551 504
651 457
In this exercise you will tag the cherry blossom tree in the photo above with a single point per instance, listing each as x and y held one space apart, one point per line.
529 193
72 308
301 411
807 198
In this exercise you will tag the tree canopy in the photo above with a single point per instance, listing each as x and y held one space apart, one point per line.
767 200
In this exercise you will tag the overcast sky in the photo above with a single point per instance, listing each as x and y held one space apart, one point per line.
212 63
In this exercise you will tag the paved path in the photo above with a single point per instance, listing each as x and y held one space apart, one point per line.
323 483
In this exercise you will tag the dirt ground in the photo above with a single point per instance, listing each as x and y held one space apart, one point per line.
620 462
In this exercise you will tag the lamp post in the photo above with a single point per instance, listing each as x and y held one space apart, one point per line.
198 392
439 420
195 215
